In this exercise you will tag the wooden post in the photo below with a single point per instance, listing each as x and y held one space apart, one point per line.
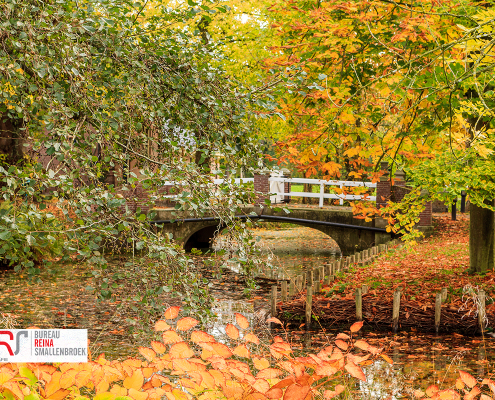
364 289
284 290
309 299
438 311
291 287
359 305
395 311
481 310
303 282
444 294
273 301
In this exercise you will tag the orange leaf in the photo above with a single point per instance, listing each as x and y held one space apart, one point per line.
467 379
326 370
147 353
341 344
249 337
355 371
241 351
241 321
269 373
137 395
275 393
387 358
356 326
159 347
432 390
218 349
296 392
171 337
475 391
361 344
135 381
274 320
180 350
485 397
232 332
260 363
261 385
342 336
172 312
187 323
330 394
280 349
201 337
161 325
448 394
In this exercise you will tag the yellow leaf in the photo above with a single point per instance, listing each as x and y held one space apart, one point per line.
147 353
241 351
161 325
135 381
181 350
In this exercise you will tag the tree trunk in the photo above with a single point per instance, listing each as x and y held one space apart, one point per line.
481 238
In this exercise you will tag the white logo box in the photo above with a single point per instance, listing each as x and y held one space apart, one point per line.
43 345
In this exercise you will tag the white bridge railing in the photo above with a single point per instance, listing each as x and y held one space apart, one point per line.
277 189
278 193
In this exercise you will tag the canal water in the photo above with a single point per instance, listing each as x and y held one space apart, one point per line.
61 300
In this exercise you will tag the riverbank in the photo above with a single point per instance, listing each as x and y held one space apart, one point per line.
440 262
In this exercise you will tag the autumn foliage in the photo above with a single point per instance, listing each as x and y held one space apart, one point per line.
190 363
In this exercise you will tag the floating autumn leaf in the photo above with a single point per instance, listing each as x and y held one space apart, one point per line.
147 353
341 344
201 337
241 321
468 379
250 337
172 312
356 326
171 337
184 324
231 331
330 394
161 325
355 371
274 320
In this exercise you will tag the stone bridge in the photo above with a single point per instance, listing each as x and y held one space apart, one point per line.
350 233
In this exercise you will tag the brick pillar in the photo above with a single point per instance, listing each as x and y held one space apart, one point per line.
262 186
383 187
425 215
287 174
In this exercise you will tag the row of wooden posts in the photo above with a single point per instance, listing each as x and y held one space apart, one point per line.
314 276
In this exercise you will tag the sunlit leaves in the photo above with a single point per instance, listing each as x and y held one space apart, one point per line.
242 321
172 312
187 323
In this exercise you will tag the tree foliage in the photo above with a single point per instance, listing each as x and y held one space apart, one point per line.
99 103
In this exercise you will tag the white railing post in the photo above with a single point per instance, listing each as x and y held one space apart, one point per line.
341 194
322 193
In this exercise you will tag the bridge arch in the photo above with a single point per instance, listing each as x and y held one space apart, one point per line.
351 234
